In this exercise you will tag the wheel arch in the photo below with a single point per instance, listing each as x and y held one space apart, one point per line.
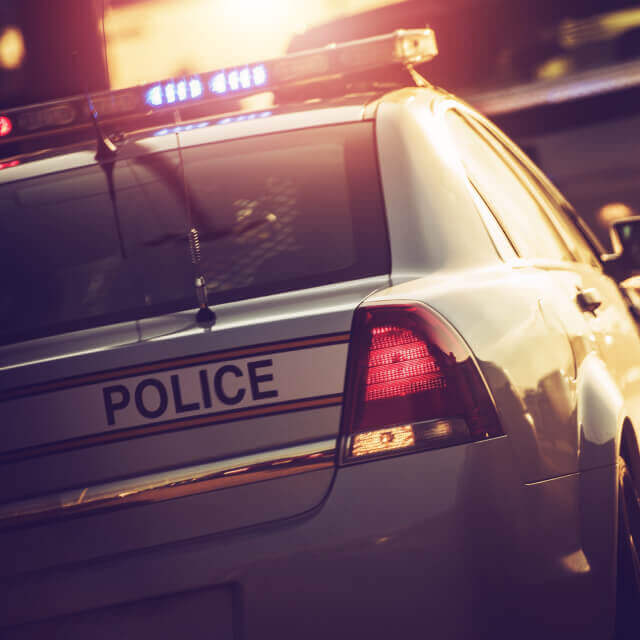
601 414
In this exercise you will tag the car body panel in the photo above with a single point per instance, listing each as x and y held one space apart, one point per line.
420 179
73 458
480 544
498 312
522 301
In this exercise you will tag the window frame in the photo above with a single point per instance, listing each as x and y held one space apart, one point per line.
494 139
556 208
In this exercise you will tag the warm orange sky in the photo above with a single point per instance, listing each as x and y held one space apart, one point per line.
157 40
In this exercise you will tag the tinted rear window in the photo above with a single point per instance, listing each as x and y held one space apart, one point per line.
275 213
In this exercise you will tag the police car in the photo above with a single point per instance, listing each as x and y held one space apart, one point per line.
344 365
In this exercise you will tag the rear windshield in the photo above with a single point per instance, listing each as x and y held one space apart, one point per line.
274 213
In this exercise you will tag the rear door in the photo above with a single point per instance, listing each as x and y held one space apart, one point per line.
597 295
587 302
125 400
542 254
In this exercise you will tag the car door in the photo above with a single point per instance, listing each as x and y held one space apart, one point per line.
601 299
586 301
544 258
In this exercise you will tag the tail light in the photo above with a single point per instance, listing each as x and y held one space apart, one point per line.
412 384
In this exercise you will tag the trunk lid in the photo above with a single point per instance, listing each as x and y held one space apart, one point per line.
199 431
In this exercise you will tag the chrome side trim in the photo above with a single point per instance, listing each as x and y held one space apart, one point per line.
172 483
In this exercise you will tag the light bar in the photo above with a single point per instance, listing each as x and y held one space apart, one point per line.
403 47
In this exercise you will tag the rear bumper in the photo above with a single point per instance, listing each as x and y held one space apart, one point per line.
447 543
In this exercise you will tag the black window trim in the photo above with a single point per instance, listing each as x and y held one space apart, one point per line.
557 201
552 201
501 147
541 181
459 110
475 123
492 213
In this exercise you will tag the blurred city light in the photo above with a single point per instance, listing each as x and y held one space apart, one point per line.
11 48
613 211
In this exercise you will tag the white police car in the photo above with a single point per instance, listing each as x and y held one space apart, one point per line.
402 397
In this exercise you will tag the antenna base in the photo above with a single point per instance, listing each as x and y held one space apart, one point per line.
206 317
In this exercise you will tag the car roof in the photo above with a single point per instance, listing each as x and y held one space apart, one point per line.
217 128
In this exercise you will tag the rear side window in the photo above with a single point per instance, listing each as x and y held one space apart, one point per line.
275 213
575 231
526 223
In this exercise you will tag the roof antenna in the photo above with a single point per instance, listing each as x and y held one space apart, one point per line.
106 150
205 316
106 157
105 154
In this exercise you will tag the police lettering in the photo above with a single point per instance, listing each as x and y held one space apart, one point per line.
223 387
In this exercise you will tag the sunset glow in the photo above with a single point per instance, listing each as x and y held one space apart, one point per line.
146 42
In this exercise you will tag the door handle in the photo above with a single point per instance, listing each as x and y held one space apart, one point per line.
588 300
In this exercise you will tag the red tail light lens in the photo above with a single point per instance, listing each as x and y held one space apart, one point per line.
412 383
400 364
